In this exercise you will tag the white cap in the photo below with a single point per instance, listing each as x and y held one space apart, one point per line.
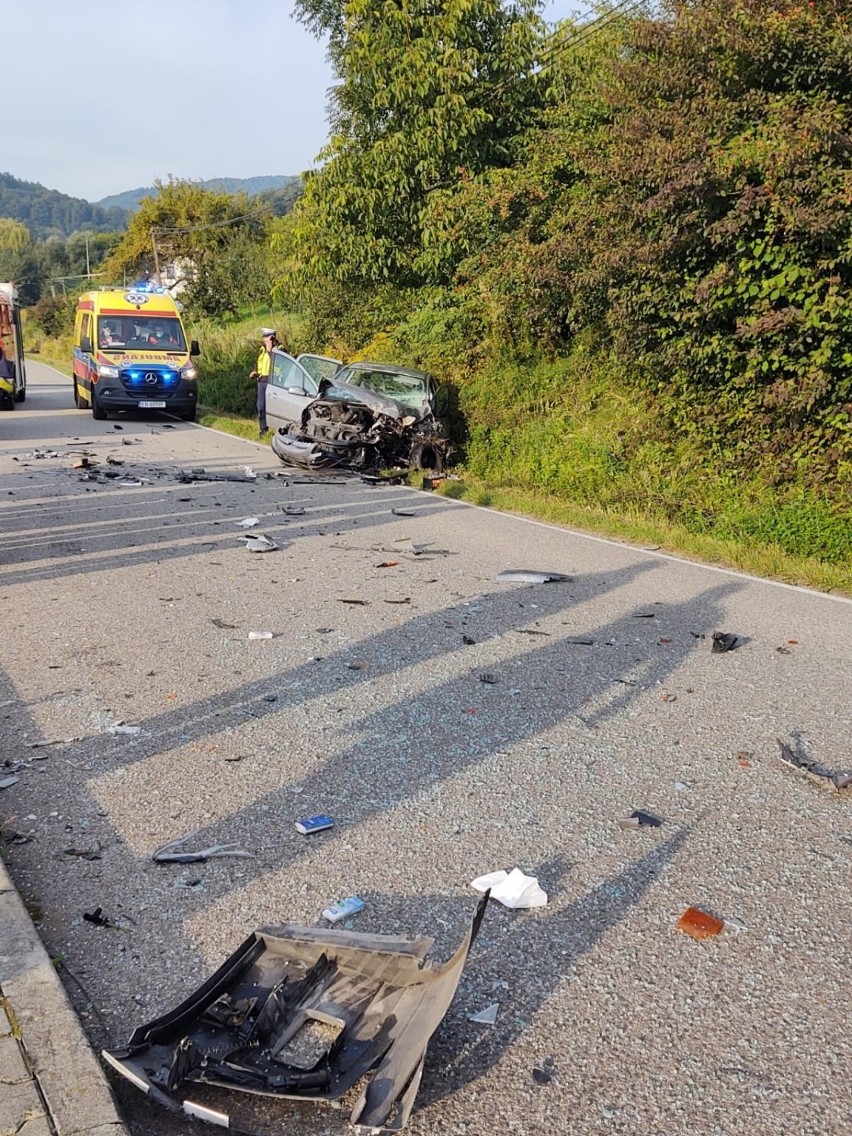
265 331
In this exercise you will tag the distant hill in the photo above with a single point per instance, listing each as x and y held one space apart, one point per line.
47 212
252 186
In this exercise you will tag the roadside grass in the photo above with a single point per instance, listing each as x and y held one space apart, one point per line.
759 558
229 423
229 350
53 358
568 442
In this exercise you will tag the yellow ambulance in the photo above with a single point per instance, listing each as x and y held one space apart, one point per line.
131 353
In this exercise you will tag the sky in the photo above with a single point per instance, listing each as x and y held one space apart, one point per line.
108 95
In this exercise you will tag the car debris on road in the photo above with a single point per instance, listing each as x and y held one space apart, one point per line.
699 924
839 778
530 576
259 542
175 852
304 1013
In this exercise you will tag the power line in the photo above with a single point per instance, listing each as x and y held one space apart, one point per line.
589 27
583 32
162 231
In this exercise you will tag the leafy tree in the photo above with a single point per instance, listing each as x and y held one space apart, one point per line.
220 237
18 260
186 221
429 93
14 237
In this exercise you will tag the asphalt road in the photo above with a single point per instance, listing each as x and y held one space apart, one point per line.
375 712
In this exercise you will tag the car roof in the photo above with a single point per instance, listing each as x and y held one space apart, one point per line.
365 365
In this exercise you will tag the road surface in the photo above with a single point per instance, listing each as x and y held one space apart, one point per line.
132 604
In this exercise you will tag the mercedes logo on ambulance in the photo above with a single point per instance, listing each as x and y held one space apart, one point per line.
151 378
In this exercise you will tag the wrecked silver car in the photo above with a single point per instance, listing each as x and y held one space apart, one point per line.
368 416
305 1013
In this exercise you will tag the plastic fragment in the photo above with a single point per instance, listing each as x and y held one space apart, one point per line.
175 852
8 782
529 576
261 634
699 924
248 522
223 625
639 819
723 641
543 1074
404 512
388 564
839 778
260 543
489 679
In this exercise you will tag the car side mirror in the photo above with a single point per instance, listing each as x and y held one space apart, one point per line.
296 390
194 349
86 344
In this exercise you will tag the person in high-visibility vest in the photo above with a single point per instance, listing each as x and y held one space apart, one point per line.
261 374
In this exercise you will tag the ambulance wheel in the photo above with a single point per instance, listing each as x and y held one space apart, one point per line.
79 401
188 415
98 411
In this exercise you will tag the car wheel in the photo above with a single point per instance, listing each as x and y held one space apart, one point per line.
98 411
424 456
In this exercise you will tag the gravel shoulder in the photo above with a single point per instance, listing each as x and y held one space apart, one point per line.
132 606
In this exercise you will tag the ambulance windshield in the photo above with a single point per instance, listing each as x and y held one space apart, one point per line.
139 332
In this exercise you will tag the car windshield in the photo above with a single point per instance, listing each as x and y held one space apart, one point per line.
403 387
140 333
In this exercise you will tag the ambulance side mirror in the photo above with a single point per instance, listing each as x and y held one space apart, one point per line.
194 349
86 344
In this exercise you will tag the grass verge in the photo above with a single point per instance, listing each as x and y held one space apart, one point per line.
229 424
757 558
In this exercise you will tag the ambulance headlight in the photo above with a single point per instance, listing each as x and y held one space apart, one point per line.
106 372
189 372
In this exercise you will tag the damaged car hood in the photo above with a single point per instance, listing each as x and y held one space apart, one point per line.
303 1012
377 403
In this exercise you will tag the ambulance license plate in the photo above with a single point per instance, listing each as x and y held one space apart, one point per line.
152 406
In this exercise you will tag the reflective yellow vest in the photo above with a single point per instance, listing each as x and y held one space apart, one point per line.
264 363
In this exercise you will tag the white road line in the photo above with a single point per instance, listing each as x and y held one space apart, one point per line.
588 536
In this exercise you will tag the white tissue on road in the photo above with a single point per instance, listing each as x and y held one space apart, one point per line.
512 889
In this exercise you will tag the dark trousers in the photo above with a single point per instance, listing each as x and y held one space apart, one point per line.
262 384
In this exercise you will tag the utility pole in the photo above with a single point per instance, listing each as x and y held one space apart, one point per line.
156 254
88 270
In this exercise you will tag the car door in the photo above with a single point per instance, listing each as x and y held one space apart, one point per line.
319 367
290 390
